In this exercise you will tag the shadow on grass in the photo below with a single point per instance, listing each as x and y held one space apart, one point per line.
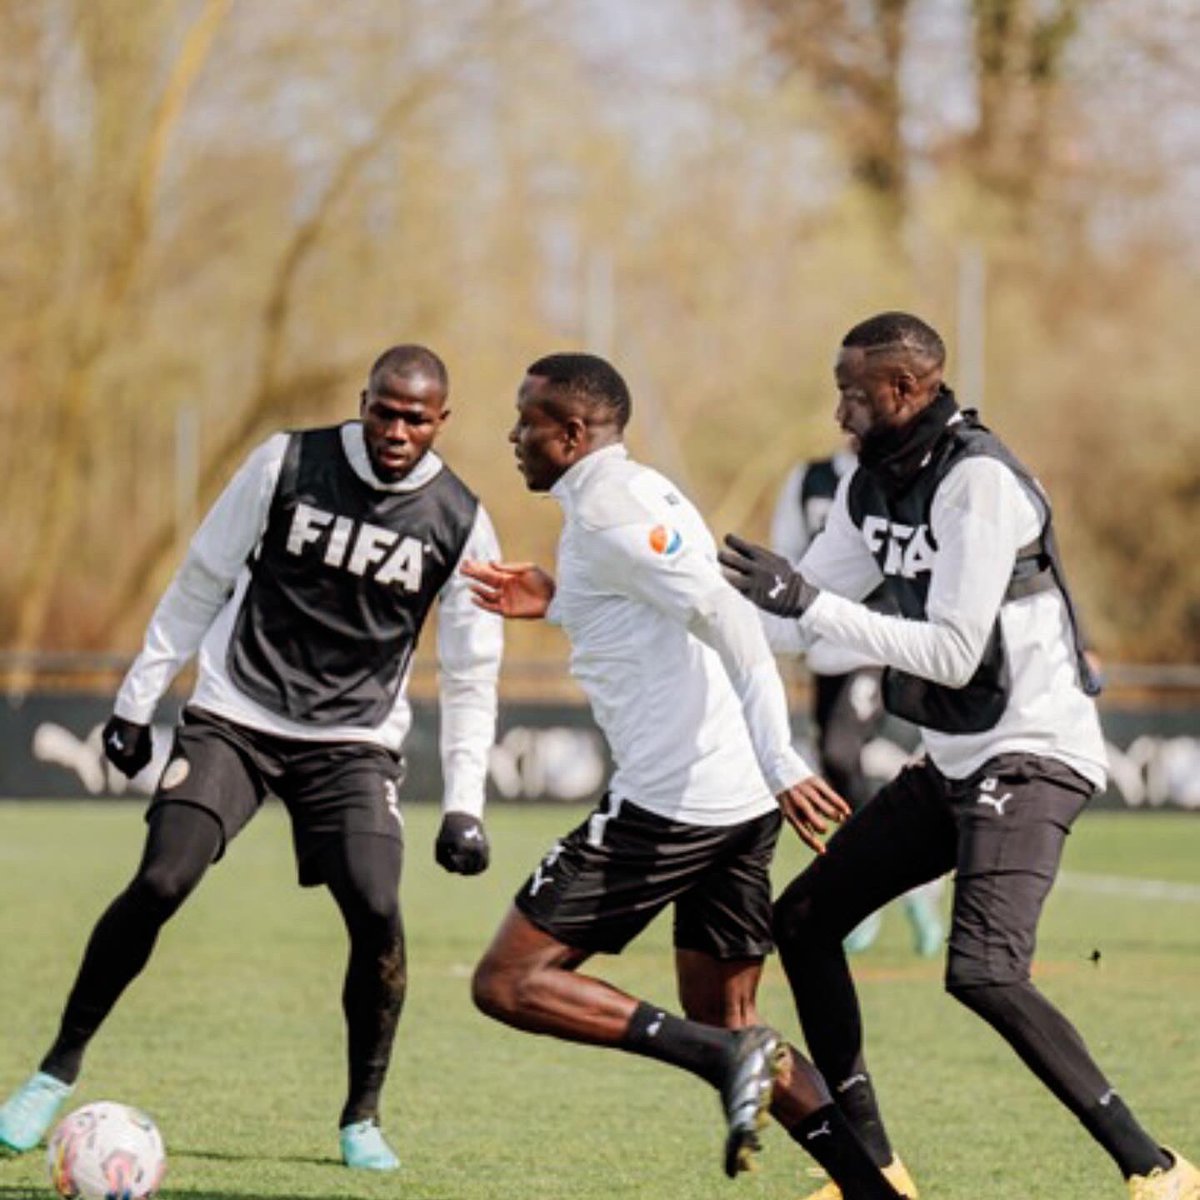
225 1156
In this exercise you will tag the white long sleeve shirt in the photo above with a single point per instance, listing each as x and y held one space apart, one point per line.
674 663
197 612
980 517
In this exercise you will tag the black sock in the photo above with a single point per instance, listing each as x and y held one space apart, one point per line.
698 1048
855 1097
828 1137
1111 1123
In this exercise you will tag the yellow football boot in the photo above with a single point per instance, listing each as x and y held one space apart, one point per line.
897 1175
1181 1181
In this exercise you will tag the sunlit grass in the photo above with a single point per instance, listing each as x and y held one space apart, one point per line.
232 1038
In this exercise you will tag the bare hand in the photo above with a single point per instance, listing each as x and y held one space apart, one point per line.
518 590
808 805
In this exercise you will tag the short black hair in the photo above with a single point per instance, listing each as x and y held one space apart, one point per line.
588 378
899 329
410 359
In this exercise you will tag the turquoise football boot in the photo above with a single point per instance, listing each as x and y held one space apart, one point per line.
862 936
928 932
364 1146
29 1112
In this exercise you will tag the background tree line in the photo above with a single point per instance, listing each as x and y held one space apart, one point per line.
213 213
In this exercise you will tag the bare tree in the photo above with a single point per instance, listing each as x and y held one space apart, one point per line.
120 51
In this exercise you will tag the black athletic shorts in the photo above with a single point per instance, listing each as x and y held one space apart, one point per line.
602 884
330 789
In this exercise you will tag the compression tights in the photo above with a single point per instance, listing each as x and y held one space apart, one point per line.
181 842
363 874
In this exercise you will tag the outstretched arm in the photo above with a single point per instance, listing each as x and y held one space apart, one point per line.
521 591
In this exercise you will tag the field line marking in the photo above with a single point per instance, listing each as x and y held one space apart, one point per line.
1134 889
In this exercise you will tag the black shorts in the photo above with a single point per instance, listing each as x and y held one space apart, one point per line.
602 884
330 789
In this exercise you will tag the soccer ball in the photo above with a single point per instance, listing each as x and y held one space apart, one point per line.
106 1151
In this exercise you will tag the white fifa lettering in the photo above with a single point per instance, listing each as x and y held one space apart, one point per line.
906 548
307 523
894 563
919 555
405 565
339 539
372 546
874 531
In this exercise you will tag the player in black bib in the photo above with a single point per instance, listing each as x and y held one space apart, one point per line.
302 597
987 658
847 702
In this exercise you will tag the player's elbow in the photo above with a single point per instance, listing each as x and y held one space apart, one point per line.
959 655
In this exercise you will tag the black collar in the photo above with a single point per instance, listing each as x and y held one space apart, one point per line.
894 455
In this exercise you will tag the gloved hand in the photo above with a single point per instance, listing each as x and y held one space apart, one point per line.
462 845
766 579
127 745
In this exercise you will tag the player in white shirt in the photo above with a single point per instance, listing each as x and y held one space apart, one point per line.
987 659
302 596
682 682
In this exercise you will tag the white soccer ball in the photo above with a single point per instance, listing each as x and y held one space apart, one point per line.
106 1151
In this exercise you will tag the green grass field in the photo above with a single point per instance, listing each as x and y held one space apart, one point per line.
232 1038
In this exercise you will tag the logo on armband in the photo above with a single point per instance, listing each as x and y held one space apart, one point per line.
665 540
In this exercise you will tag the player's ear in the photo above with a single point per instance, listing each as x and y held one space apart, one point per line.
574 432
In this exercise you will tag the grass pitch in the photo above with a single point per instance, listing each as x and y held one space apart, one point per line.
232 1038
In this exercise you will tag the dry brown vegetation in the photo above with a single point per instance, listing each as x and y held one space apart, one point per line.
226 209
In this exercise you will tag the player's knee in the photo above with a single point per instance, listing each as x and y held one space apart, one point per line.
161 887
372 911
979 990
503 990
794 922
492 989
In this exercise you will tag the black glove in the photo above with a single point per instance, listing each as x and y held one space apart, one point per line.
766 579
127 745
462 845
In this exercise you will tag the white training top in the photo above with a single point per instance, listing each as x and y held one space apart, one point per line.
198 610
673 661
981 515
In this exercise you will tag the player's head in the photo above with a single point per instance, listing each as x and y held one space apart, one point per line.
889 368
567 406
403 408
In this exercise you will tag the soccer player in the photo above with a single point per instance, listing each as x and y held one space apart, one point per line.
986 658
303 594
847 706
682 682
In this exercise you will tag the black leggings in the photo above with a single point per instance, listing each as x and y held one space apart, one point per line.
1003 832
363 875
